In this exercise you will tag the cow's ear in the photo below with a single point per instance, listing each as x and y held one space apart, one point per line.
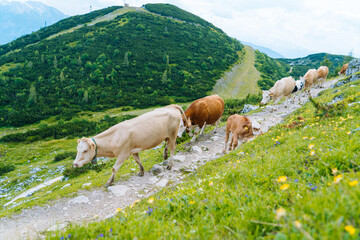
92 144
78 140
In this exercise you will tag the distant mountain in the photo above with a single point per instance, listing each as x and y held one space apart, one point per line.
265 50
17 19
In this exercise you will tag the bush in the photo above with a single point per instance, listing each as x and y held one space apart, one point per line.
72 172
64 155
5 168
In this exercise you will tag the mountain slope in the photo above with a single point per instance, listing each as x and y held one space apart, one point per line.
241 79
18 18
139 58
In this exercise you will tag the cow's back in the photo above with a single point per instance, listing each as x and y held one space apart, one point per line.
311 77
206 110
148 130
284 86
323 71
241 125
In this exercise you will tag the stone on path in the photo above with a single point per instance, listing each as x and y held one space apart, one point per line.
196 149
156 169
79 199
162 183
56 227
179 157
118 190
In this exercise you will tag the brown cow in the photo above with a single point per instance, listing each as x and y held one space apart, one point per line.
240 127
132 136
322 71
343 69
204 111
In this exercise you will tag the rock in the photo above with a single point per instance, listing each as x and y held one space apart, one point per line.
86 184
247 108
35 170
336 99
179 157
80 199
350 104
162 183
215 138
153 180
156 169
66 185
354 66
118 190
196 149
56 227
354 77
165 162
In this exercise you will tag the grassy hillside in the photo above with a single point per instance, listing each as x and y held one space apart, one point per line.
241 79
301 65
140 58
297 181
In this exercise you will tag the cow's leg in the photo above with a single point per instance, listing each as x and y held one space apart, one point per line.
120 160
137 159
217 123
226 139
172 146
165 154
195 134
202 129
235 141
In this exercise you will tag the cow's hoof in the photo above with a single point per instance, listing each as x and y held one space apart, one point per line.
168 167
141 174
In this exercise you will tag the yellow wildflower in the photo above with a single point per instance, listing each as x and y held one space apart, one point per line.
348 133
118 210
284 186
211 183
281 212
312 153
151 200
334 171
350 229
222 190
353 183
305 137
311 146
192 202
312 138
337 178
282 179
297 224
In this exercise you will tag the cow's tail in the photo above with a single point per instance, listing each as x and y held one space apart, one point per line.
181 110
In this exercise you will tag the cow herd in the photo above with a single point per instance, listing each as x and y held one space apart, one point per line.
147 131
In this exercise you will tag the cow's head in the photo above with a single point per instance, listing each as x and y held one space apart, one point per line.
186 123
300 83
85 152
266 97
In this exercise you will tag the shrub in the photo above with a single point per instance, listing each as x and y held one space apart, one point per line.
64 155
5 168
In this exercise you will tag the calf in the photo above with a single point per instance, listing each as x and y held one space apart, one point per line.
132 136
207 110
240 127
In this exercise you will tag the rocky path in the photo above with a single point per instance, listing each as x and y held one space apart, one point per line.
102 203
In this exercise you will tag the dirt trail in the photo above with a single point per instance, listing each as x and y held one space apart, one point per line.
100 203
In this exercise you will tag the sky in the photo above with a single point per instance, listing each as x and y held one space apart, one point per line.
293 28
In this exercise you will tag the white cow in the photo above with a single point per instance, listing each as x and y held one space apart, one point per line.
282 88
132 136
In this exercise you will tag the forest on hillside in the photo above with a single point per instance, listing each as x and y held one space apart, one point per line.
137 59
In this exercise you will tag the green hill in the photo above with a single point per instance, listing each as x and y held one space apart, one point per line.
143 57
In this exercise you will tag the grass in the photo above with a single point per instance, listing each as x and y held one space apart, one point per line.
243 81
296 182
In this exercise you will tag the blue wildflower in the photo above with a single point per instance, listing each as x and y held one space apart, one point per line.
101 235
314 188
62 238
296 180
149 211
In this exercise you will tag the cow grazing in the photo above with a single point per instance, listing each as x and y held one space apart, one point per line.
132 136
282 88
343 69
322 71
310 78
204 111
240 127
